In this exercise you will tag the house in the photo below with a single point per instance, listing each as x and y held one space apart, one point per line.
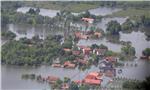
93 78
89 20
109 73
67 49
56 65
65 86
84 37
83 62
111 59
77 35
76 52
52 79
85 49
98 34
77 81
100 52
92 81
107 68
68 64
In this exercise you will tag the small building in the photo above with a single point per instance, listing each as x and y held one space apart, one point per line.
89 20
83 62
98 34
65 86
68 64
52 79
93 78
77 52
111 59
85 49
77 81
77 35
56 65
67 49
100 52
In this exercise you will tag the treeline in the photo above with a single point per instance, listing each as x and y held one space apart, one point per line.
9 15
32 51
122 4
128 26
137 85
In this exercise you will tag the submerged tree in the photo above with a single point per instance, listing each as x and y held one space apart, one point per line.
113 27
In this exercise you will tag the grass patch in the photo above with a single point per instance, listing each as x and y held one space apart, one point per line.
131 12
81 7
69 6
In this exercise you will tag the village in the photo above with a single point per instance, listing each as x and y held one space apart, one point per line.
86 56
75 45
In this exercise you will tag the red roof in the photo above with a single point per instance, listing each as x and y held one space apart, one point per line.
92 81
111 59
56 65
69 64
52 78
94 75
65 86
67 49
90 20
78 34
75 52
82 61
77 81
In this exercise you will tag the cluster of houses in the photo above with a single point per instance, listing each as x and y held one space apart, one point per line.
106 66
84 51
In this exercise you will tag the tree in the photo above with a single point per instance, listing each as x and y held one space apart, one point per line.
146 52
84 87
103 46
37 10
113 27
94 46
128 25
145 20
32 11
128 50
73 86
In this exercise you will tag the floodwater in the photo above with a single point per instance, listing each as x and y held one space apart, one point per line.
43 12
103 11
52 13
11 75
104 22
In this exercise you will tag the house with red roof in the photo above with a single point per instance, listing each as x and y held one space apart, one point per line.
52 79
93 78
68 64
89 20
100 52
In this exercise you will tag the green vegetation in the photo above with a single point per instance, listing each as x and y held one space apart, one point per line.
101 46
110 53
73 86
146 52
68 6
113 28
136 85
31 52
127 52
131 12
128 25
8 35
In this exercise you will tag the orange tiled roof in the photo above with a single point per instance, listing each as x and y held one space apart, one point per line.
92 81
